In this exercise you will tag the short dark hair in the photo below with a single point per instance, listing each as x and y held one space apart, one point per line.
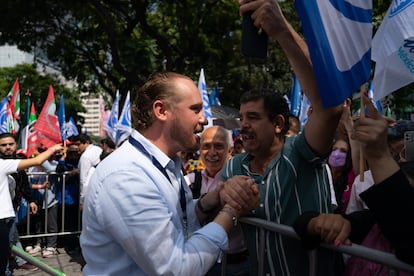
273 102
108 142
83 138
8 135
159 86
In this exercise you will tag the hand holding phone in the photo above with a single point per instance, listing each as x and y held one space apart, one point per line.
254 43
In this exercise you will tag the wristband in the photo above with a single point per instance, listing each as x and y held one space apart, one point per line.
201 208
230 213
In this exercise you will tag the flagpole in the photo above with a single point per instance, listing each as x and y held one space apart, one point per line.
361 153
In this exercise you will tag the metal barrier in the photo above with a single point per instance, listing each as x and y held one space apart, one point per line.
28 234
394 265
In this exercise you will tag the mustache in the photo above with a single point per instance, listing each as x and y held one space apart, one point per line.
245 132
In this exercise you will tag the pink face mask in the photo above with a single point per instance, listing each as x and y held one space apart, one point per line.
337 158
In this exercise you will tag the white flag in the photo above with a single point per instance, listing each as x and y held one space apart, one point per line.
393 49
202 87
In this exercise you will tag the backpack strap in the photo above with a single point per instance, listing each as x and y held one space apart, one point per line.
196 186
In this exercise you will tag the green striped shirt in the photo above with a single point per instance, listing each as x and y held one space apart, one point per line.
295 181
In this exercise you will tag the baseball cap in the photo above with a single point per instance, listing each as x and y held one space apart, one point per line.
396 131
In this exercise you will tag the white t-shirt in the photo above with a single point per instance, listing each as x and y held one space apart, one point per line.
355 202
7 166
88 160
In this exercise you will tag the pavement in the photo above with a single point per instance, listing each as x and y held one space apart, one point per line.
69 263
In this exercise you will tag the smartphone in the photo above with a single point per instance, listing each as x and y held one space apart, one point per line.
254 44
409 145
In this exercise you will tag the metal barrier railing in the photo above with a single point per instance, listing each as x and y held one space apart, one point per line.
264 226
376 256
28 233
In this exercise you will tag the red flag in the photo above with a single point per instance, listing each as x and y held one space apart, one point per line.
15 99
47 125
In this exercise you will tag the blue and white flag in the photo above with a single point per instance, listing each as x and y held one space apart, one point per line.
214 97
202 87
393 49
71 128
371 93
62 118
303 114
295 97
110 125
338 34
123 126
4 124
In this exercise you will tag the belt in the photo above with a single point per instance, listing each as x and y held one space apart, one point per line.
237 258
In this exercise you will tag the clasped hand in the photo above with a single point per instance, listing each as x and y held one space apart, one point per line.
240 193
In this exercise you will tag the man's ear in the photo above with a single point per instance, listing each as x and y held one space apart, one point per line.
159 109
279 123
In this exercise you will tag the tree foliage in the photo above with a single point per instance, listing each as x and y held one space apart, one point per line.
111 45
38 85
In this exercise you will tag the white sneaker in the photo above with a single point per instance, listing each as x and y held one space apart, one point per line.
49 252
35 250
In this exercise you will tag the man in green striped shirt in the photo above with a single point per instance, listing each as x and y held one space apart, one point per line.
288 170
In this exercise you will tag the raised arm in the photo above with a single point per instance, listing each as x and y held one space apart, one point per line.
321 126
38 160
371 132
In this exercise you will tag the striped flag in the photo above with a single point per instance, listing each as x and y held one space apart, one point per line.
103 116
202 87
295 97
71 128
110 125
4 126
62 118
338 34
371 96
14 105
123 126
47 125
28 136
214 97
303 114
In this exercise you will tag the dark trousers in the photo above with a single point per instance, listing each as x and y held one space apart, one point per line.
5 225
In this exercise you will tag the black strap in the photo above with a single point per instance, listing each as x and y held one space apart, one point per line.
196 186
156 163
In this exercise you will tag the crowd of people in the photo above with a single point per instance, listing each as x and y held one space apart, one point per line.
50 188
167 201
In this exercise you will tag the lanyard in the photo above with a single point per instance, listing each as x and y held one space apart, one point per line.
156 163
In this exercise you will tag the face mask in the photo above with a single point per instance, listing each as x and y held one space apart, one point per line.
337 159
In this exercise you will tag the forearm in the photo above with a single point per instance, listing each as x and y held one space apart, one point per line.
207 206
382 167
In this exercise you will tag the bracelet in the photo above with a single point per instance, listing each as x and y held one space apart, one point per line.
230 213
201 208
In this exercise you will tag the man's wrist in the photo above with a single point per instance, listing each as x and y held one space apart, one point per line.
231 213
202 208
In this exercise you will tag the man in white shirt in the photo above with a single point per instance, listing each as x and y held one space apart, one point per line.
90 157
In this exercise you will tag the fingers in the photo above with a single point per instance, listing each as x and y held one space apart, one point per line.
238 192
331 228
372 111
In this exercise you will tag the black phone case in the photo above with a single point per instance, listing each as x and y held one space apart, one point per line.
253 44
